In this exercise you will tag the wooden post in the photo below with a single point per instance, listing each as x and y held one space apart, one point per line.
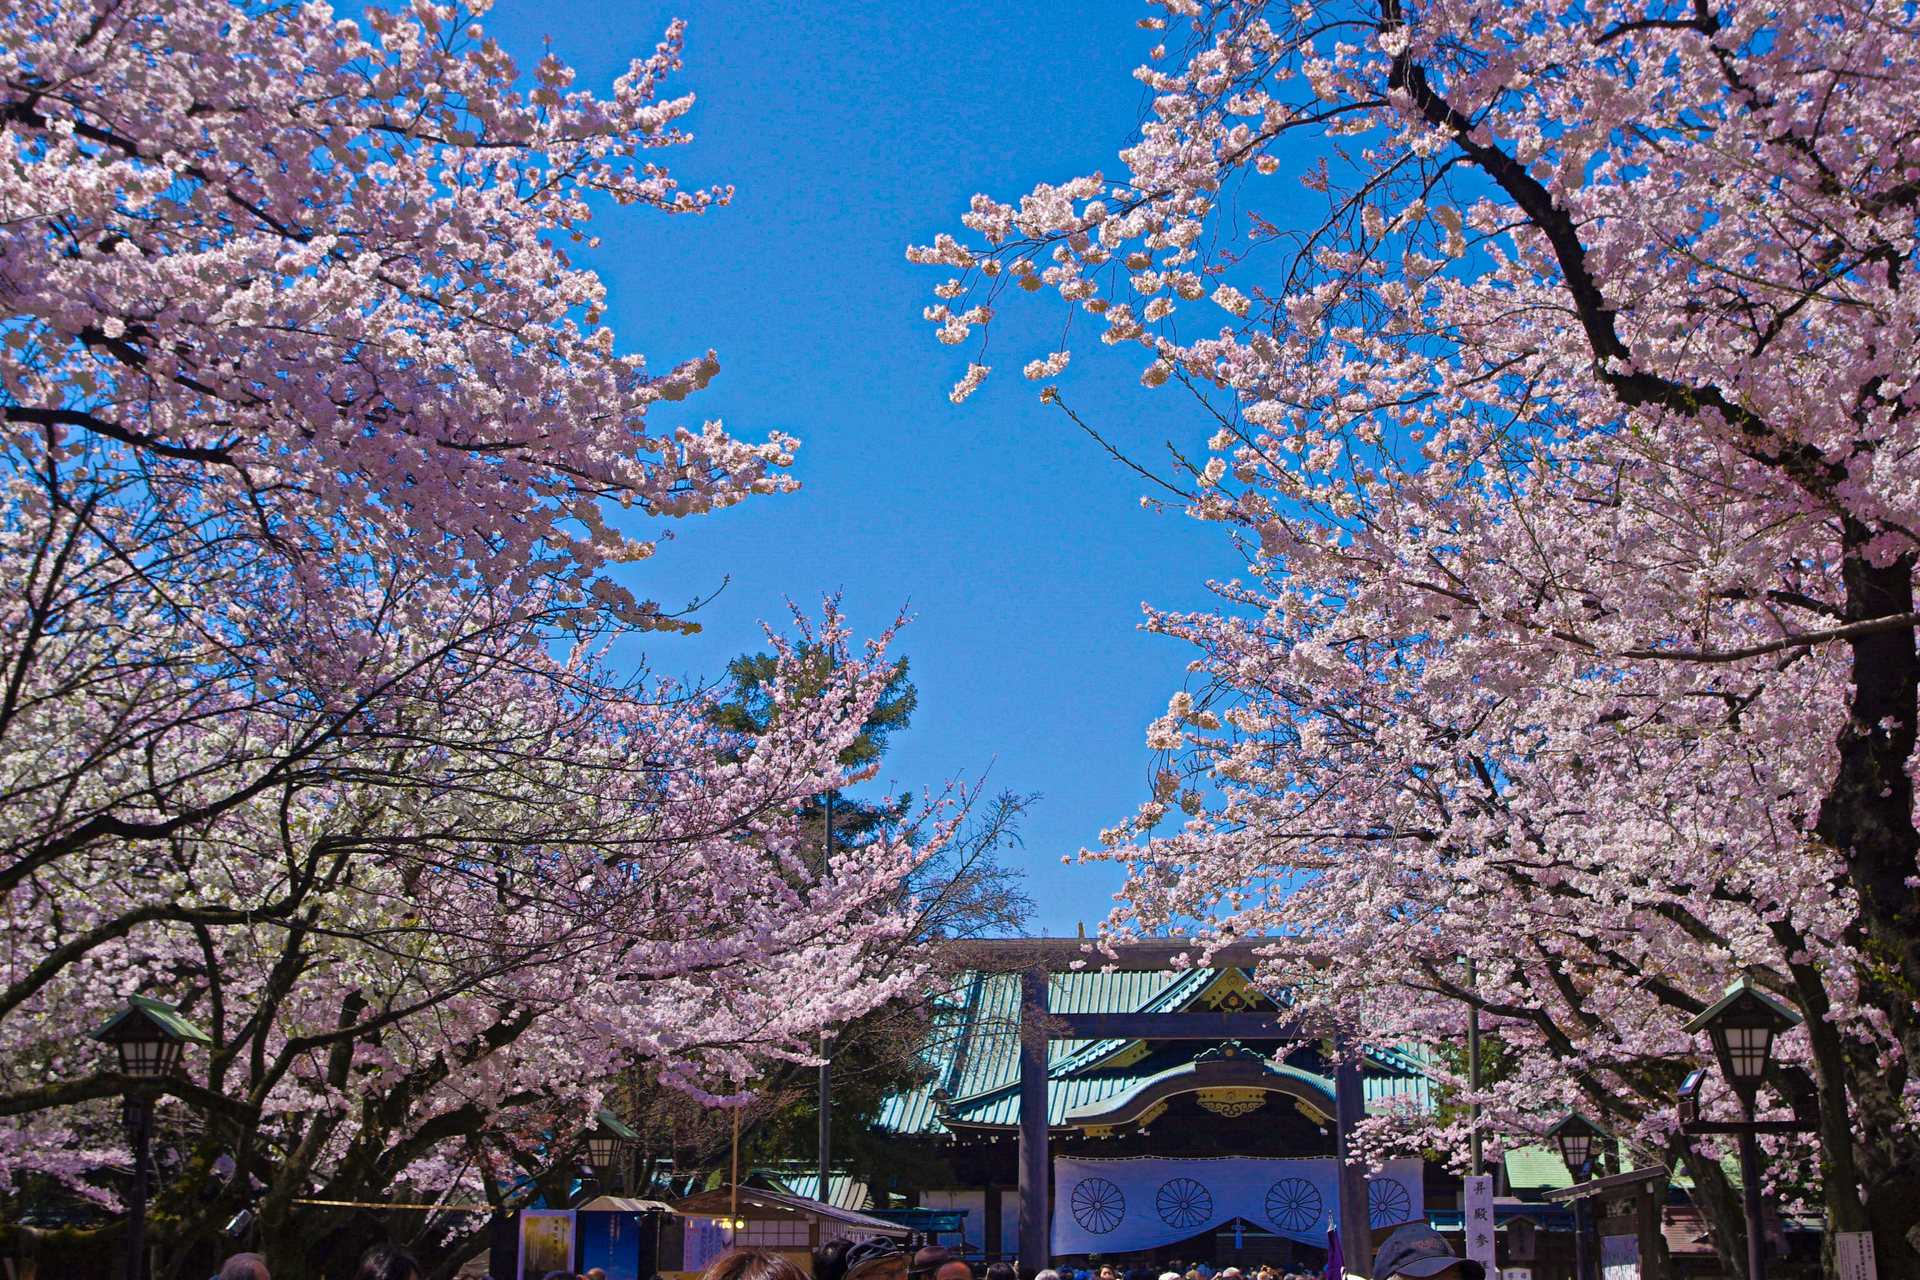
1350 1104
140 1119
824 1192
1035 1247
1476 1158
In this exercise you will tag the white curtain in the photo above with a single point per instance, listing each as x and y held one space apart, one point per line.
1119 1206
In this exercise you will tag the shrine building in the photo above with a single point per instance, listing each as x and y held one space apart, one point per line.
1188 1117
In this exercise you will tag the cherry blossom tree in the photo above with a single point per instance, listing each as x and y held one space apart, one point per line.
426 910
1566 441
313 720
323 271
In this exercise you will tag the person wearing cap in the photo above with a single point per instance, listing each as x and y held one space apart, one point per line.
928 1260
1418 1252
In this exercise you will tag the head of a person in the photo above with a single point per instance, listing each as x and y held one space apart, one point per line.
386 1262
245 1266
875 1258
1231 1273
1046 1273
1169 1275
1418 1252
953 1269
752 1264
595 1273
929 1260
1003 1271
1106 1273
830 1260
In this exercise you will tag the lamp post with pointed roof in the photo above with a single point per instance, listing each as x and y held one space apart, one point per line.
1576 1136
150 1036
607 1142
1743 1025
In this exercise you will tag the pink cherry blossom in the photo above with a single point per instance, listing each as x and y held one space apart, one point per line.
1570 447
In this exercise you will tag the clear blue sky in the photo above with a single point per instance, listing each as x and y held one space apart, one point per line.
1022 551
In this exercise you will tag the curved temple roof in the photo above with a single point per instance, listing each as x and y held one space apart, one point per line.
974 1052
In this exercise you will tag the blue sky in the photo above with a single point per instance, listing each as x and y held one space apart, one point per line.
1020 549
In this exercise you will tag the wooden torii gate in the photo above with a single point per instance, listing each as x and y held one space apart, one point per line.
1036 958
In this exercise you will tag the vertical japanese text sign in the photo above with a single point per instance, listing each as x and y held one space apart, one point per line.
1478 1198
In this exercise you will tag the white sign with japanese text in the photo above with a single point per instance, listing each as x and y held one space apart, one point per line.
1477 1199
1853 1255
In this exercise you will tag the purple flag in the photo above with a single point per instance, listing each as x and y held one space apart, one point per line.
1336 1260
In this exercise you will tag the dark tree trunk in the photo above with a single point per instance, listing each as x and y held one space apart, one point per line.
1867 816
1719 1204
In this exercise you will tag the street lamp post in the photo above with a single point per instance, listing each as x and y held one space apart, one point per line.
150 1036
1576 1137
1743 1024
607 1142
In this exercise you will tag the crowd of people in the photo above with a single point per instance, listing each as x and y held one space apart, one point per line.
1413 1252
381 1262
1173 1271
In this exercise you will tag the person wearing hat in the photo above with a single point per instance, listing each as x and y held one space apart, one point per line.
1418 1252
876 1258
929 1260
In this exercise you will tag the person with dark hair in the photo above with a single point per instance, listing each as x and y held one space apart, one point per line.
385 1262
752 1264
1003 1271
830 1260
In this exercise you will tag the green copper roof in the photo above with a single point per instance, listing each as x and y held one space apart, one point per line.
163 1017
974 1050
1536 1169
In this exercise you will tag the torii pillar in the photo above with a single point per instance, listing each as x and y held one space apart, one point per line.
1037 1024
1350 1102
1035 1246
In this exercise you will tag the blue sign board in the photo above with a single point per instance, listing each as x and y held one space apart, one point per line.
611 1240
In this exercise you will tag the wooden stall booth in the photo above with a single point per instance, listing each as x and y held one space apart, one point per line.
1624 1217
714 1221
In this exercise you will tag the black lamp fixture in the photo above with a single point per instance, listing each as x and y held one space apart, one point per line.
1742 1025
1689 1102
150 1036
607 1140
1575 1136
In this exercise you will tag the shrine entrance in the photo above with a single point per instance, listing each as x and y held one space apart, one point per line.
1037 960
